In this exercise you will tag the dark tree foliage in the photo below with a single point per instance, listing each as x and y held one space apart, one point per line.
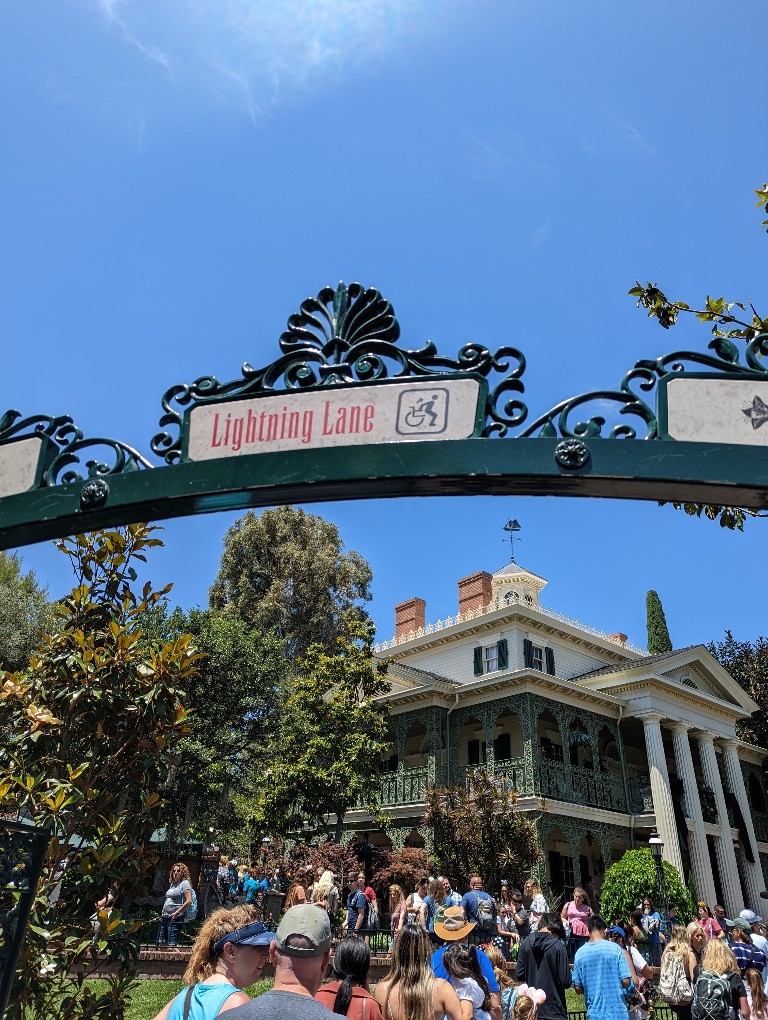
656 622
478 830
747 663
235 694
402 867
287 571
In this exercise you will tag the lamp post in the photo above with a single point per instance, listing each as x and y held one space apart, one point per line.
656 844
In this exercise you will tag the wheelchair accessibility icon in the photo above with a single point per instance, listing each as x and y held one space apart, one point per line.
422 411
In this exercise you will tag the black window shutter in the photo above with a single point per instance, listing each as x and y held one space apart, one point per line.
528 653
478 661
550 658
502 653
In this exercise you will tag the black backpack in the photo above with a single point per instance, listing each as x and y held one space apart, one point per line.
712 997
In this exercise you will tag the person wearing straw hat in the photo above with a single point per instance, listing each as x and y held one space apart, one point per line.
451 925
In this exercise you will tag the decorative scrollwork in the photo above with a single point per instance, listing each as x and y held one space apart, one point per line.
68 444
125 459
346 335
645 374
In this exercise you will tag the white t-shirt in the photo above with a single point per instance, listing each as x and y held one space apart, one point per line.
638 959
468 988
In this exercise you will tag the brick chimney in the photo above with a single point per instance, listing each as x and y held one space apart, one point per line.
619 638
475 591
409 617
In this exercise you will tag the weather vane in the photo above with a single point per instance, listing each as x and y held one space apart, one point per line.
512 527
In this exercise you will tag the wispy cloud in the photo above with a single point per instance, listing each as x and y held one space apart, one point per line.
631 133
110 10
255 52
542 234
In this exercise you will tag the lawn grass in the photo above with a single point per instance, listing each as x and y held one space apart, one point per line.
149 997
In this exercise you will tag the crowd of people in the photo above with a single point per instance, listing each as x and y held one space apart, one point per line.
469 956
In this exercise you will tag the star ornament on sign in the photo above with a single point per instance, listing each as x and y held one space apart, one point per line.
758 412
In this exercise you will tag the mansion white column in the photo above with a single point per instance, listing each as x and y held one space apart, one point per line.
753 873
726 858
697 839
660 791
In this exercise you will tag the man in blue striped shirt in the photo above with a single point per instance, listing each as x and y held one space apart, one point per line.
600 972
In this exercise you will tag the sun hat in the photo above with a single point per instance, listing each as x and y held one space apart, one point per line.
254 934
750 916
738 922
307 921
451 924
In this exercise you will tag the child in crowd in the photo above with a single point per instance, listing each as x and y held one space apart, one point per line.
463 969
527 1002
506 985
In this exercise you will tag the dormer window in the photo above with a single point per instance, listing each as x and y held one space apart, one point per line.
512 598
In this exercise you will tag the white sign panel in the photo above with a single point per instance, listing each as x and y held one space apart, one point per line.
18 465
392 412
718 410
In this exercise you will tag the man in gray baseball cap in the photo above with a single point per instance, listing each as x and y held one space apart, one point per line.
299 953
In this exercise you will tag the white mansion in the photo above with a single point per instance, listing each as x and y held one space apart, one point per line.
601 741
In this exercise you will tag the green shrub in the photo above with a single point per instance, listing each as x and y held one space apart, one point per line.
633 877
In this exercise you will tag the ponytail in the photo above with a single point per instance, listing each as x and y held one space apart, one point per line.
351 963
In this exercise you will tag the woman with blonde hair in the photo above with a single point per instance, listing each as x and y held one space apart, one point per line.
229 954
507 986
718 957
398 909
410 991
538 905
679 946
325 894
698 939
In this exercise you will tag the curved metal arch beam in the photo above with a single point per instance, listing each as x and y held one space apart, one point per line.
616 469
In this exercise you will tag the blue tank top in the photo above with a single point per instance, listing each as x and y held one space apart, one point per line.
206 1002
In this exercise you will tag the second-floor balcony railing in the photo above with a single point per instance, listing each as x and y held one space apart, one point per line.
514 773
582 786
406 787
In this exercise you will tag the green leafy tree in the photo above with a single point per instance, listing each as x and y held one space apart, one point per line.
324 755
236 694
478 830
656 624
634 876
732 322
287 571
89 732
747 663
25 613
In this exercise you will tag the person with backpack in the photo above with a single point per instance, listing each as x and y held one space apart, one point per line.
429 907
542 961
480 909
719 992
678 964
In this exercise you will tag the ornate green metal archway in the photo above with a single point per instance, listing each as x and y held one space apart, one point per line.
346 413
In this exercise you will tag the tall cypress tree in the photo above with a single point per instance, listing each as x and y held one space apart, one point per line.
656 624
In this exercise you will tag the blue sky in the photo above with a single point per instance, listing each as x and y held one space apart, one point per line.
177 175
